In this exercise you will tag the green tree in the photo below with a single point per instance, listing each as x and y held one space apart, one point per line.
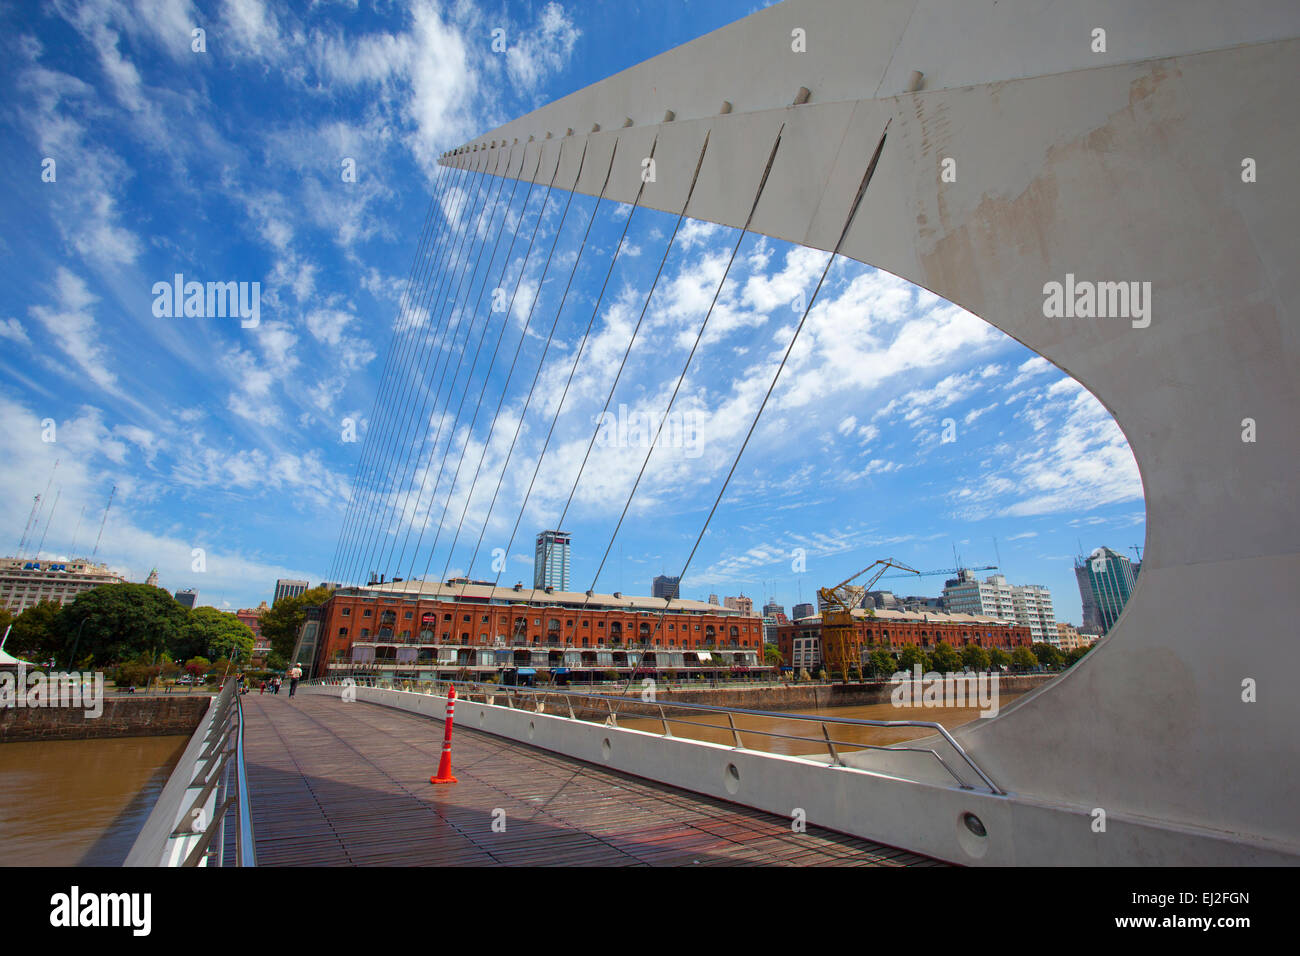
945 658
198 666
883 663
139 672
772 655
998 657
280 624
1024 659
975 657
1076 655
35 635
214 633
1048 655
910 656
116 622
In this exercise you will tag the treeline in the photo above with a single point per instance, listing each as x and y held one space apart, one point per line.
882 664
124 625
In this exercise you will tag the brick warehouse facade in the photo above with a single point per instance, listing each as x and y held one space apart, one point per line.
444 629
894 630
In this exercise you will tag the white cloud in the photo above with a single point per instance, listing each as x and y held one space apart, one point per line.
537 52
13 330
73 328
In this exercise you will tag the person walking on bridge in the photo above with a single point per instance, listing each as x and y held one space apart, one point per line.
295 675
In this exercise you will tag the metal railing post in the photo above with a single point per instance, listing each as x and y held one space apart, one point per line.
734 732
830 745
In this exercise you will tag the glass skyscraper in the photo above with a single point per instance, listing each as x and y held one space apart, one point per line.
551 561
1106 579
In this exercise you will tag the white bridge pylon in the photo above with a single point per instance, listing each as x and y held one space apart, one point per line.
1161 149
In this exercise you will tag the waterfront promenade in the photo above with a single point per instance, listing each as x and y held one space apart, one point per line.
338 784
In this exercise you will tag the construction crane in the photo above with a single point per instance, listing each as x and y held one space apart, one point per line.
927 574
841 646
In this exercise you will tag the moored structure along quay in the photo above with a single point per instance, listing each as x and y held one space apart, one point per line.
457 628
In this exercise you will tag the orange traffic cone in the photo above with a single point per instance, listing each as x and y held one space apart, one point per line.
444 765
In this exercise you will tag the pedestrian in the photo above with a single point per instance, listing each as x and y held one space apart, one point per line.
263 690
295 675
275 685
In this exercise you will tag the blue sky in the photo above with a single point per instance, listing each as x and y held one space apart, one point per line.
225 165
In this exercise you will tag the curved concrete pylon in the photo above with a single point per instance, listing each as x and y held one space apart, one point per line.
1117 165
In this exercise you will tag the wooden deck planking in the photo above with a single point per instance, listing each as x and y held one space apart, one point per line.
334 783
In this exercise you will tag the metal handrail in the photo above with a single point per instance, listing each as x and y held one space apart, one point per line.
223 772
466 688
245 846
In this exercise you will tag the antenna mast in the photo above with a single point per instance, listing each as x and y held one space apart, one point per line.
72 553
53 508
103 522
31 519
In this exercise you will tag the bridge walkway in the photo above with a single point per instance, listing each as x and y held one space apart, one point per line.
336 784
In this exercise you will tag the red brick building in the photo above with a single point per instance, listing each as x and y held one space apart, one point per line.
894 630
448 627
253 618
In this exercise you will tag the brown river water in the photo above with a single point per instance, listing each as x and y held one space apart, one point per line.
79 802
949 717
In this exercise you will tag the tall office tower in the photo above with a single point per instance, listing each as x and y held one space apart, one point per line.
803 610
772 609
284 587
1106 580
713 599
551 561
666 587
187 597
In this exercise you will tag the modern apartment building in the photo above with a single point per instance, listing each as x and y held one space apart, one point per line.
189 597
551 561
1027 604
24 583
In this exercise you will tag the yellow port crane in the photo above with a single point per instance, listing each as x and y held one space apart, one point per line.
841 645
